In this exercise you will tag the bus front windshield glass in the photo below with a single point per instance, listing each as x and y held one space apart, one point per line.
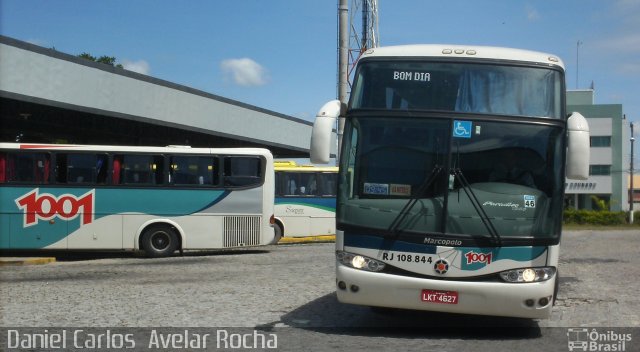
459 87
415 175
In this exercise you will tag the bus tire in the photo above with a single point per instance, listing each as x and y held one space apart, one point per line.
159 241
279 233
556 287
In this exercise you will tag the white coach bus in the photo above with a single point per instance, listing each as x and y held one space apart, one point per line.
451 180
154 199
305 199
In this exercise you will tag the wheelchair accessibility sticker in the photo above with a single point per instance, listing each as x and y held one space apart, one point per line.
462 129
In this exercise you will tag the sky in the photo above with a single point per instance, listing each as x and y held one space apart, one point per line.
281 55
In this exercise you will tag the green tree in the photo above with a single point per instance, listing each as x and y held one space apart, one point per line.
87 56
600 204
104 59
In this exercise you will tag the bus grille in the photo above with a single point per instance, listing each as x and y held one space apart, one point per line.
241 231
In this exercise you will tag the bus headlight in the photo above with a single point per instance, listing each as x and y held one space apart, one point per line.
528 274
359 261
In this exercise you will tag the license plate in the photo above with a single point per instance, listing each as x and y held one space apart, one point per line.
444 297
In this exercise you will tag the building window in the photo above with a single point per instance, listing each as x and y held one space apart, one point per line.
601 141
599 170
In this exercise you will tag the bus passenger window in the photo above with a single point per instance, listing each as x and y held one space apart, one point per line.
141 169
291 184
102 165
86 168
27 167
193 170
117 169
241 171
157 168
307 184
3 167
328 182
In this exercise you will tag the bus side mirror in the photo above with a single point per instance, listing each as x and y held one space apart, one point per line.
321 133
577 147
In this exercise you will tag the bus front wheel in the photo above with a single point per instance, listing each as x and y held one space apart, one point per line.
159 241
556 287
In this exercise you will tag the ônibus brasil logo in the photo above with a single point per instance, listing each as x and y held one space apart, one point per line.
46 206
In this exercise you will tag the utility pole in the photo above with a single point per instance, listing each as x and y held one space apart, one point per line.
343 49
343 65
632 139
350 51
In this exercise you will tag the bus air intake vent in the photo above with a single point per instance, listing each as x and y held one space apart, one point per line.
240 231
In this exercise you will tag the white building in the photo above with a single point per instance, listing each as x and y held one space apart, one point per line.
610 151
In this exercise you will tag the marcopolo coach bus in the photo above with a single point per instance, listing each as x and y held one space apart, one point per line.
451 179
305 199
154 199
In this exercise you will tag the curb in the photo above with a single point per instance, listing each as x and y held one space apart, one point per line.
26 261
309 239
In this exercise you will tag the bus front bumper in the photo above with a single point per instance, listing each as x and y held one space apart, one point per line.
524 300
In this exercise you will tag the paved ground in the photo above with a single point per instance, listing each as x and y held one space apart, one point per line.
290 288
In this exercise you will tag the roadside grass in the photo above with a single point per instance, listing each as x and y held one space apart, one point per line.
583 227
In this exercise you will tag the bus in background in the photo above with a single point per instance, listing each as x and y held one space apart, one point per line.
451 179
305 203
154 199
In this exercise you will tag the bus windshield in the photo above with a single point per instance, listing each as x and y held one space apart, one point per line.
414 176
458 86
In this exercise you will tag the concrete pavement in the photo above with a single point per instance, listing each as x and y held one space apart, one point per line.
47 260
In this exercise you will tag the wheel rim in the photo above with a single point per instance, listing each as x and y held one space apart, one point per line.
160 240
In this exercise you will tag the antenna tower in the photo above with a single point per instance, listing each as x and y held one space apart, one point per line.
363 33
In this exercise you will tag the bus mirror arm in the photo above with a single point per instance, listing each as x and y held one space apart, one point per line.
320 148
578 145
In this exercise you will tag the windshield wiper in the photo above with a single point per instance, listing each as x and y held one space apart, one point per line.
466 187
395 224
